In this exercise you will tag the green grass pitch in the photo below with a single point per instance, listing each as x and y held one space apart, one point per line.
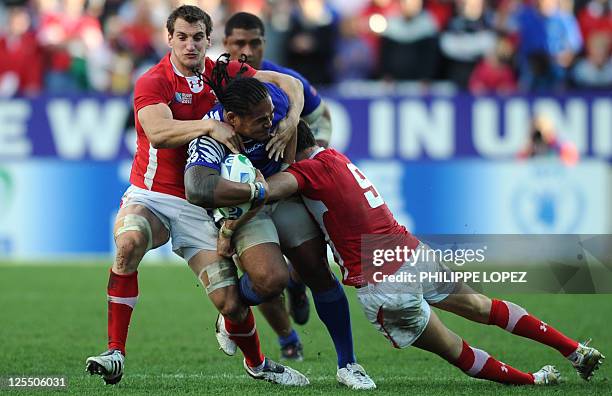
54 316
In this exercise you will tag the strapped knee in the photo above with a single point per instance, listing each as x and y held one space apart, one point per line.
134 222
220 274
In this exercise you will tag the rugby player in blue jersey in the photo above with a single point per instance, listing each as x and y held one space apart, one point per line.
244 35
253 110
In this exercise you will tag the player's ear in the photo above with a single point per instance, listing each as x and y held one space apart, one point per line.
169 39
231 118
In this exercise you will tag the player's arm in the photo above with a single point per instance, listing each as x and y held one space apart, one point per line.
163 131
294 90
206 188
282 185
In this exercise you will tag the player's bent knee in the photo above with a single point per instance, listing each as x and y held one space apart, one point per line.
130 250
233 309
138 223
218 275
272 285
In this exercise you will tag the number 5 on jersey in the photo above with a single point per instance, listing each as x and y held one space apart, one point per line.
372 196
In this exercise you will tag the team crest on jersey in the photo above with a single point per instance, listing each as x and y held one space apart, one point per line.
184 98
196 84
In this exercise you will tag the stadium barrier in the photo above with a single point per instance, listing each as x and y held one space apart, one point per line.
444 164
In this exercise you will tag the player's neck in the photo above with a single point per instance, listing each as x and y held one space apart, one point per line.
307 153
182 70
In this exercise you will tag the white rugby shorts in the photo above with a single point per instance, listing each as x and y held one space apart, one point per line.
397 309
191 228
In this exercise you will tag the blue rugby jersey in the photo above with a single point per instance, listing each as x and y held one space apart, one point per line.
312 99
205 151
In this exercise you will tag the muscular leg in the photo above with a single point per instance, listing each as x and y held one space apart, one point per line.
132 241
509 316
276 315
224 294
474 362
266 274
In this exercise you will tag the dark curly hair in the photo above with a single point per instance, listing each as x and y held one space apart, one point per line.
237 94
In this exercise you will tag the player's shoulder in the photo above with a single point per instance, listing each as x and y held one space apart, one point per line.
271 66
156 75
216 113
208 64
330 154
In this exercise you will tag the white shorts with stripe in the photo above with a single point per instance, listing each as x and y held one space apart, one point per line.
400 310
191 228
397 309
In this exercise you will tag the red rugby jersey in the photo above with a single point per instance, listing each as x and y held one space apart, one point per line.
162 170
348 208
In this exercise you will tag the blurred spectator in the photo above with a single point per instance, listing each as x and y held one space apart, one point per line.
493 74
21 65
595 71
549 41
545 141
312 39
409 46
595 17
505 17
354 60
69 37
392 39
469 37
137 33
441 10
373 20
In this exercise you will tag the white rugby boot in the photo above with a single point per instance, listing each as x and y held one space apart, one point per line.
586 360
109 365
547 375
228 346
277 374
355 377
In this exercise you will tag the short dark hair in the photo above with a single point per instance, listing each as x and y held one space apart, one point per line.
191 14
305 137
244 20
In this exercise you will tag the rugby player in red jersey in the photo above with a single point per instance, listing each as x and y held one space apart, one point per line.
347 207
169 102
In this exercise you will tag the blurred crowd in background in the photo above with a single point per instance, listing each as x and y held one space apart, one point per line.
484 46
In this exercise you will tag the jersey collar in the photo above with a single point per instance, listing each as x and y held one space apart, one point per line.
177 71
317 151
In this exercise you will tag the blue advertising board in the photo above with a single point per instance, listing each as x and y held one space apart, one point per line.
443 164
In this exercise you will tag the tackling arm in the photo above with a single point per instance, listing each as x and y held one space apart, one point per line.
165 132
281 185
204 187
287 128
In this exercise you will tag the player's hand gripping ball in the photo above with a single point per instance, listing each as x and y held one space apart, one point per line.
237 168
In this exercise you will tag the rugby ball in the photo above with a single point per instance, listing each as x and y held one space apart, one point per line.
237 168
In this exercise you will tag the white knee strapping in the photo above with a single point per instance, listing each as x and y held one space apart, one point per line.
220 274
134 222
